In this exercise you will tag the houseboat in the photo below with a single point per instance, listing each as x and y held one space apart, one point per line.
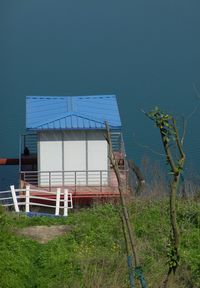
65 147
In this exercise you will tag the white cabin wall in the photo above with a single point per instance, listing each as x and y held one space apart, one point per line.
73 151
50 151
97 151
75 157
50 157
97 157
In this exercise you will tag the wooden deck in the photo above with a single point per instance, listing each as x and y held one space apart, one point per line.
85 193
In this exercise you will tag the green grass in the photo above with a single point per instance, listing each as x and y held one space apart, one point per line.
93 254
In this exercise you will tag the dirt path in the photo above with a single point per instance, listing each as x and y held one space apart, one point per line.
43 234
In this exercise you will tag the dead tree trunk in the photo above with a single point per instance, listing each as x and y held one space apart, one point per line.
139 175
127 227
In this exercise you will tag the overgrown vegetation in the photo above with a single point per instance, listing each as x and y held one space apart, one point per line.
93 254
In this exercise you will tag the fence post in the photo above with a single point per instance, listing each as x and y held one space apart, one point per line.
65 202
57 202
27 199
12 188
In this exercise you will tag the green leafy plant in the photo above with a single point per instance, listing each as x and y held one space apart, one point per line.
175 157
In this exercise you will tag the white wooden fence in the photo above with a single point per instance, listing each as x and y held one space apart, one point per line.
24 199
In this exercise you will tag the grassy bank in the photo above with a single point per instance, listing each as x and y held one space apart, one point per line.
93 253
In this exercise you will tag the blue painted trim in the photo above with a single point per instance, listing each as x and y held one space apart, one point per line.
37 214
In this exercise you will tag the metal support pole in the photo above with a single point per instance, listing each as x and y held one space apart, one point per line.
63 179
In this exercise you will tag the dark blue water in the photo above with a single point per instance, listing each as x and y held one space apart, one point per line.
9 175
145 52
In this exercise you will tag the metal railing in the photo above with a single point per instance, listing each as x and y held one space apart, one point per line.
76 179
30 141
117 142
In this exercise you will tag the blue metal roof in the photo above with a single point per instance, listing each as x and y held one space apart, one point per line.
71 112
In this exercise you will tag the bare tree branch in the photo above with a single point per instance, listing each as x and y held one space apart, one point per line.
184 131
121 188
148 148
196 90
139 175
185 122
178 141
